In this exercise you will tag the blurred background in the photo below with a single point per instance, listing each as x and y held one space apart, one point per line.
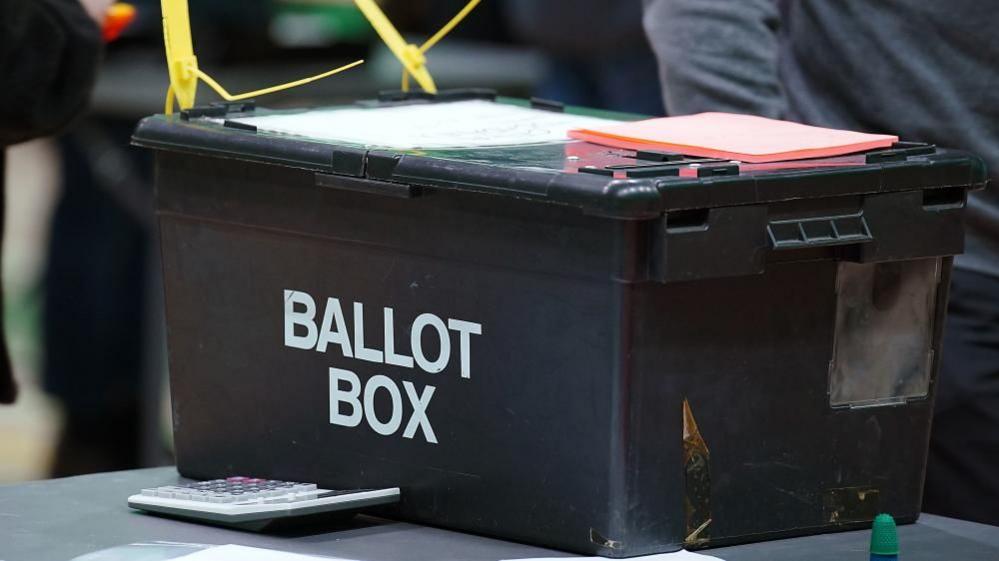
83 303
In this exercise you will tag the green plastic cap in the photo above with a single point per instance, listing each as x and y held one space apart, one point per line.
884 536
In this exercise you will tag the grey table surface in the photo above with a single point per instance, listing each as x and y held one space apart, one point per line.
62 518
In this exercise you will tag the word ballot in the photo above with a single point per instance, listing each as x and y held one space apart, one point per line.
349 403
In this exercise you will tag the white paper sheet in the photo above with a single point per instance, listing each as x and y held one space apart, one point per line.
682 555
242 553
458 124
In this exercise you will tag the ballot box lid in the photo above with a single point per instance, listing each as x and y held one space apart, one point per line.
599 180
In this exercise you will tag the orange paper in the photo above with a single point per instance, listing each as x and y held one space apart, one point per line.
733 137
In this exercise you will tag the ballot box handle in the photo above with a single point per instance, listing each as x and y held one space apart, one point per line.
802 233
697 244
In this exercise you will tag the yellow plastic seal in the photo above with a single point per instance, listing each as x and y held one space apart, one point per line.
412 57
183 65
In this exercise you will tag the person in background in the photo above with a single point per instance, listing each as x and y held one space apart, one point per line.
100 358
923 70
598 55
49 54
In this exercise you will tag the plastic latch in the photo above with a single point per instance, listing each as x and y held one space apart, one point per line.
658 156
821 231
915 148
217 109
885 156
900 151
717 169
239 126
199 111
596 171
403 95
547 105
633 171
381 165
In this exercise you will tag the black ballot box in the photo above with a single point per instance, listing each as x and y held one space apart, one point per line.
600 350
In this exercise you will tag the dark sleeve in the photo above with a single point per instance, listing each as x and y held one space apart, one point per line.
717 55
49 52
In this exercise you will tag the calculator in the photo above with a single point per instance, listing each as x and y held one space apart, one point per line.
252 502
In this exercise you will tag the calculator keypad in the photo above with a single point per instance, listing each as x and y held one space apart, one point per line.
238 490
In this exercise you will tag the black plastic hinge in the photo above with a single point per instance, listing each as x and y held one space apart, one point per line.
632 172
717 169
900 151
399 95
380 165
348 161
217 109
547 105
658 156
646 169
884 156
652 171
915 148
199 111
442 96
596 171
239 126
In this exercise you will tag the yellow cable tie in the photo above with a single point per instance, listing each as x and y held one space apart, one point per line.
429 43
179 52
394 41
168 108
255 93
414 57
183 65
436 37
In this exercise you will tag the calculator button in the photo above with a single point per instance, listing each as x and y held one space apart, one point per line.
237 489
